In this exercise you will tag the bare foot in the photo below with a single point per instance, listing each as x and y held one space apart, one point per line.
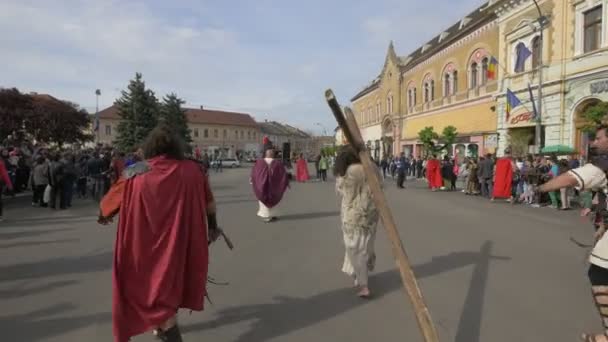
594 338
364 292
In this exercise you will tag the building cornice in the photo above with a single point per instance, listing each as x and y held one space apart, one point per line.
450 48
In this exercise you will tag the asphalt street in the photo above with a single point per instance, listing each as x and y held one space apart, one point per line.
488 271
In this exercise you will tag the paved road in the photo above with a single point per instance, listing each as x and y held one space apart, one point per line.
489 272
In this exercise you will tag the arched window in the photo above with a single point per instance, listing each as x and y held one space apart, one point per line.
473 78
536 52
426 92
446 85
520 60
455 82
414 97
378 109
432 90
484 71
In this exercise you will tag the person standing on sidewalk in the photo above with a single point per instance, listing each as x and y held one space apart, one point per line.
401 166
323 166
486 174
5 181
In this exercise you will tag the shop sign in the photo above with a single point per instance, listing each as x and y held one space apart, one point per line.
522 118
490 141
599 87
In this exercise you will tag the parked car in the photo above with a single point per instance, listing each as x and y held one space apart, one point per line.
227 162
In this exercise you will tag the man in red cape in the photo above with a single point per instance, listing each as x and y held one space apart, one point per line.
161 251
503 177
433 173
302 169
269 180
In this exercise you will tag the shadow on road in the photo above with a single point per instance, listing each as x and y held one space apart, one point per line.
469 326
309 216
287 314
30 233
20 291
48 220
35 243
33 327
57 266
237 200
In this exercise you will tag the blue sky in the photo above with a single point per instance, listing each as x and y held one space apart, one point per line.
273 59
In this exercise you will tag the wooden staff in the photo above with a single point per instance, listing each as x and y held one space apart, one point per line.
353 135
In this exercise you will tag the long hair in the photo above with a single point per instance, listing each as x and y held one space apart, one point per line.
345 158
162 140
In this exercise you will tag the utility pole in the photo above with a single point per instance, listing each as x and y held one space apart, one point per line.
97 128
542 21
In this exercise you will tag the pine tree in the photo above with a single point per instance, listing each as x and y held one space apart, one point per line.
173 114
139 111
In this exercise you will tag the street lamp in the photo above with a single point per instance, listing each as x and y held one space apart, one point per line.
323 127
542 22
97 128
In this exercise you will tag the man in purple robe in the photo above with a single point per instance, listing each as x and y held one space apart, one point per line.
269 180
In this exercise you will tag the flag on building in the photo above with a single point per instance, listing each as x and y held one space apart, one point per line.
492 69
533 102
522 54
512 102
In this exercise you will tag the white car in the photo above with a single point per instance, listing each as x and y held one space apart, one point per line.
228 162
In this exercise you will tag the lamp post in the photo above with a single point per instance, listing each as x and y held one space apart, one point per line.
542 21
97 128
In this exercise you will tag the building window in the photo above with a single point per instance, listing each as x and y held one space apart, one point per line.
108 130
426 93
225 134
236 134
535 52
242 135
473 79
378 109
414 97
484 71
248 135
215 133
196 132
520 57
592 29
446 85
254 135
432 90
455 82
206 133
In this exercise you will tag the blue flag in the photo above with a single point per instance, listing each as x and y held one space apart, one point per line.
522 54
512 102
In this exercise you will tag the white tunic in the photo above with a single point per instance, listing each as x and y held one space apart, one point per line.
359 220
591 177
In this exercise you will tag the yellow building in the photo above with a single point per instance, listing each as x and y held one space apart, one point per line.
574 67
444 82
217 133
377 107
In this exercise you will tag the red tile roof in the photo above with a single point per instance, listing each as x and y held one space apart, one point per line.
200 116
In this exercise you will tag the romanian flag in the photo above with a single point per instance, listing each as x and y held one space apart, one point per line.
492 69
512 102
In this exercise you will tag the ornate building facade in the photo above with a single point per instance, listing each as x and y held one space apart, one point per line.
444 82
574 69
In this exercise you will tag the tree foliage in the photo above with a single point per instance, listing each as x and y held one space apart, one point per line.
138 108
174 115
435 143
42 117
595 115
519 140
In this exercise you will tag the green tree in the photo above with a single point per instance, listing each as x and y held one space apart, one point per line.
175 116
433 142
138 108
59 122
595 115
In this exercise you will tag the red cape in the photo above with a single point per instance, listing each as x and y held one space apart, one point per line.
503 178
433 173
302 170
269 181
161 253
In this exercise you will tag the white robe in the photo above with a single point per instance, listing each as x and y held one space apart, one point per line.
264 211
359 222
